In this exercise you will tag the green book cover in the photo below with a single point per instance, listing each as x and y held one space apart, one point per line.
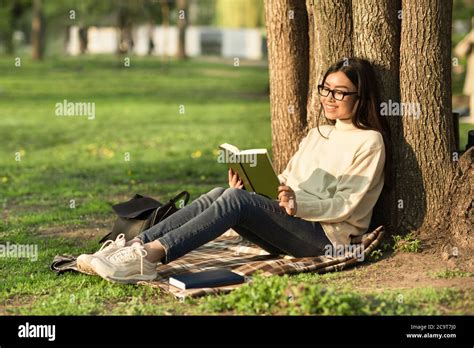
254 167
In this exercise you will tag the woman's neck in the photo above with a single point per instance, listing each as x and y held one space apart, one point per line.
344 124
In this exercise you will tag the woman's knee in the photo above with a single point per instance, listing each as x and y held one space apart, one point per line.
216 192
235 194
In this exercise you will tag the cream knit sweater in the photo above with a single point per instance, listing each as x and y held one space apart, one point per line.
337 181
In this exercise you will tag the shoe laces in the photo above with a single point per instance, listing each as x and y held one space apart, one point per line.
129 253
110 243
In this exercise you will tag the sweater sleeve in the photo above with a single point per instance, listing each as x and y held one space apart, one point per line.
365 171
283 177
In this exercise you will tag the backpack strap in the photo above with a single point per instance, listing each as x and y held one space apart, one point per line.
64 263
180 195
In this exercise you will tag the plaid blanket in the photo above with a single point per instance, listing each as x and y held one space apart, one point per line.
231 251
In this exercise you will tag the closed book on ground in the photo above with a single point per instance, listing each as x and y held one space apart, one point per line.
254 168
206 279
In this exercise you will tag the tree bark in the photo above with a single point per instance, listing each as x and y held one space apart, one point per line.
182 24
426 145
460 219
376 37
332 40
37 31
287 28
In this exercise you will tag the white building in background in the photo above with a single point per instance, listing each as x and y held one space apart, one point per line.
226 42
102 40
73 43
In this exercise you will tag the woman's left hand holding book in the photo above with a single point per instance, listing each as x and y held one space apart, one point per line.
234 180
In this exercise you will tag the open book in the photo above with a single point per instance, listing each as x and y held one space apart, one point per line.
254 168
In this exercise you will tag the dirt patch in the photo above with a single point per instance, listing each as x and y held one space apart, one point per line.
94 231
410 270
11 306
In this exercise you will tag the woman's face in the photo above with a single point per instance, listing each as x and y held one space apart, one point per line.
339 109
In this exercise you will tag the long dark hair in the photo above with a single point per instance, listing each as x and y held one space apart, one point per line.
367 115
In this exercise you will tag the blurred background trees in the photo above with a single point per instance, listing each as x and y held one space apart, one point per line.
43 26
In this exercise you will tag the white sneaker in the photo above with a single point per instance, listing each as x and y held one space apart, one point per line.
84 260
126 265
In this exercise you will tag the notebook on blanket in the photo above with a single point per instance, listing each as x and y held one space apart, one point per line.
206 279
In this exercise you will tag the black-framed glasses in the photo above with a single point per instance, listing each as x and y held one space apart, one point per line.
336 94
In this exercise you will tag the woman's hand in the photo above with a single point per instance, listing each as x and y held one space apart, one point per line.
287 199
234 180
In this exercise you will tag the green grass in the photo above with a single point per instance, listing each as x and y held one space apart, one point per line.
376 255
407 244
137 112
450 273
73 169
303 295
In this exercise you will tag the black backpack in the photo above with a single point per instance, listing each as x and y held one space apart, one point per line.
133 217
140 213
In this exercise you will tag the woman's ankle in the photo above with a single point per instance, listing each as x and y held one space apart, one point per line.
155 251
134 240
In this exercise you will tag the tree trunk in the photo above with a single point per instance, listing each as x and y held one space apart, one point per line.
83 39
426 145
9 28
37 31
376 37
165 14
8 43
312 104
332 38
67 38
432 192
287 28
460 219
124 23
151 37
182 24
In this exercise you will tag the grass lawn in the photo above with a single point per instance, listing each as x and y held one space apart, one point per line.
59 176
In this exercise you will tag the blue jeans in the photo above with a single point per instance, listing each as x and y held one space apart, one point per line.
256 218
